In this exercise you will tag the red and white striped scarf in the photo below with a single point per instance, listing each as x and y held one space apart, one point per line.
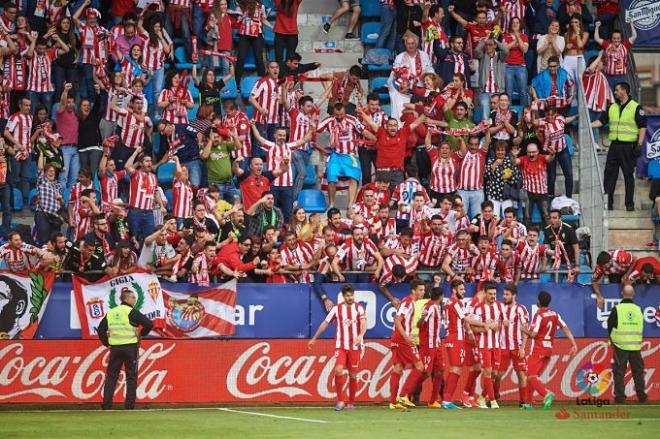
201 278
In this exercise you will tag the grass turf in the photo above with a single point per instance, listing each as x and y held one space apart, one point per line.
311 423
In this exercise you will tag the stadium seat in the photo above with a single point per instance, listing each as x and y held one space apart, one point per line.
377 83
386 109
310 178
180 60
369 32
18 200
380 67
250 62
192 113
169 196
32 199
312 200
271 54
247 84
230 91
165 173
536 215
270 7
269 36
571 219
590 54
654 169
370 9
192 88
249 111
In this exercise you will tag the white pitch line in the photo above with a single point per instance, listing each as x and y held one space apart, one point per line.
267 415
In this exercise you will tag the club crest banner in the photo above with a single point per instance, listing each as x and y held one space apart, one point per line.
23 300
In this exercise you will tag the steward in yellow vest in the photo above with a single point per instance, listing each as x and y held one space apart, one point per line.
119 330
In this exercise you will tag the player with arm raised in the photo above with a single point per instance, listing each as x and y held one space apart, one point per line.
351 322
542 332
403 349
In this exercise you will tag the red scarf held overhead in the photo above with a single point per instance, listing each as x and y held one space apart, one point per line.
561 253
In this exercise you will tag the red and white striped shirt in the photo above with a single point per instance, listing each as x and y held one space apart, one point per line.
443 174
382 231
153 56
252 26
597 90
553 133
461 258
485 264
133 129
365 211
471 176
433 33
277 153
490 312
182 198
616 58
433 249
343 133
513 8
301 255
76 192
143 187
83 220
242 124
110 114
93 47
175 113
300 123
40 68
409 263
506 268
19 260
511 336
5 97
267 94
20 126
455 314
534 174
615 266
545 324
529 259
109 185
348 320
354 257
429 331
491 82
181 3
407 312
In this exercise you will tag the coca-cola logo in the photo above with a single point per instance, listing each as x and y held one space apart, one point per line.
74 376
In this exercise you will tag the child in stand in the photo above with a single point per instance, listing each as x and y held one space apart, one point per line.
274 265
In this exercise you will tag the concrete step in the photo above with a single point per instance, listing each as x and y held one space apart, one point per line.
640 252
630 223
630 238
320 7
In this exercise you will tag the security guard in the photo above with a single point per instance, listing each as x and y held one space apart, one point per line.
118 329
626 326
627 131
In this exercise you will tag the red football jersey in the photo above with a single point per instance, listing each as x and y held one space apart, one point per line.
545 324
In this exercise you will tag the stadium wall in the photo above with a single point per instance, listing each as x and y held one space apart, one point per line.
267 371
289 311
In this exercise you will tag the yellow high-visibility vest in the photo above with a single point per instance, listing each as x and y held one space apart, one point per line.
120 330
622 123
629 330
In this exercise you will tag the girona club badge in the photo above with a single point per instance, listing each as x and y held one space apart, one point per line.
95 308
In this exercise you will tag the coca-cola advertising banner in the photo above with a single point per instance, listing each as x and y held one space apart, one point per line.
211 371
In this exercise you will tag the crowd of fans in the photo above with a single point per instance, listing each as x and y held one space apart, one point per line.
447 182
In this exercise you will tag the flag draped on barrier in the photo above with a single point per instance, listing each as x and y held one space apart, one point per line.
93 300
23 299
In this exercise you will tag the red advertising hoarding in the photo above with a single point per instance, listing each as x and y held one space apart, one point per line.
244 371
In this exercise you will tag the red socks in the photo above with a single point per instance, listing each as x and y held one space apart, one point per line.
533 383
340 380
352 389
471 383
450 387
489 388
413 381
394 386
435 390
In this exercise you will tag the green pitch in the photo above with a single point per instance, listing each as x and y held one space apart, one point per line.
315 422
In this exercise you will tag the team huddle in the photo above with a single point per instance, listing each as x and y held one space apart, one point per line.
484 336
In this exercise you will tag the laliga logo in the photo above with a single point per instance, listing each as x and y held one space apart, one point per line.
643 14
387 313
593 379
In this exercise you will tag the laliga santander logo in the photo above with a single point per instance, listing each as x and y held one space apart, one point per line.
643 14
593 379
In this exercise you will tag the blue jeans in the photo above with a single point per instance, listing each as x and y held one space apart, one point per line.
516 81
388 28
198 20
20 172
472 201
300 161
88 91
62 75
227 190
141 223
595 115
195 172
5 199
185 32
564 159
284 200
484 105
69 173
39 99
154 88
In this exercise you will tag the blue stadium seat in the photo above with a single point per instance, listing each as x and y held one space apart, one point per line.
269 36
310 178
386 109
569 144
192 113
366 31
250 62
654 169
378 83
271 54
545 278
234 35
247 84
18 200
584 278
270 6
536 215
572 219
32 199
249 111
169 196
192 88
181 62
312 200
380 67
165 173
230 91
370 8
590 54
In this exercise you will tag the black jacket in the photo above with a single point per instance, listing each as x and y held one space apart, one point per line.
135 317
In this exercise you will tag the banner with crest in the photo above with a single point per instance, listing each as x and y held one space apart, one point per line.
23 300
93 300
